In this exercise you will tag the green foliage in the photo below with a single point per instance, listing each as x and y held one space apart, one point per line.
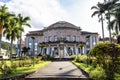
106 56
98 74
47 57
6 45
37 60
81 58
73 56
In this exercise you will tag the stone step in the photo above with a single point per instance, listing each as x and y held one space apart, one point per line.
62 59
57 79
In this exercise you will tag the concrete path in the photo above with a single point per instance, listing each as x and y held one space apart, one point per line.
59 69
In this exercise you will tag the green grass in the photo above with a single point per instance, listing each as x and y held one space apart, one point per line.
24 70
83 66
96 73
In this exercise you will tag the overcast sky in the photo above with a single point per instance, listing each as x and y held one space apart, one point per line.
46 12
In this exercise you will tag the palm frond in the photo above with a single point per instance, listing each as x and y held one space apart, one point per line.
94 13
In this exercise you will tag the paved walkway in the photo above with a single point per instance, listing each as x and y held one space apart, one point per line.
59 69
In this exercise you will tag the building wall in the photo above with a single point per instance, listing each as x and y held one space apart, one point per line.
62 33
73 33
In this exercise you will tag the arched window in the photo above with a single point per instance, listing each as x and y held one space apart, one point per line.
55 38
94 41
68 38
74 38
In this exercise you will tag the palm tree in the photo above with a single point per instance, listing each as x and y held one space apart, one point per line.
112 8
99 11
12 32
22 21
4 18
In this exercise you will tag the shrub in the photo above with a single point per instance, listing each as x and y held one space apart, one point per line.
81 58
36 60
98 74
14 67
73 56
106 56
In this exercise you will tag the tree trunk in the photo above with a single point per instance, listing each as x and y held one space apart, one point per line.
11 46
0 41
110 38
20 46
102 27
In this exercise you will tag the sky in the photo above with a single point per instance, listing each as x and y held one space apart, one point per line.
46 12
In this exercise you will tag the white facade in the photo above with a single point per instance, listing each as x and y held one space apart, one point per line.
61 40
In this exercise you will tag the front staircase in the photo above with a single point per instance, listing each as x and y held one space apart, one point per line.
62 59
57 79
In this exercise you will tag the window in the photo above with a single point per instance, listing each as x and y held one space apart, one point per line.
78 38
45 39
55 38
74 38
88 42
68 38
94 40
49 38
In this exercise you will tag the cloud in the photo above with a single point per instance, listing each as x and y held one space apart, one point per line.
45 12
80 15
42 12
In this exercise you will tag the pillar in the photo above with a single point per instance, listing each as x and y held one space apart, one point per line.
52 49
42 50
58 47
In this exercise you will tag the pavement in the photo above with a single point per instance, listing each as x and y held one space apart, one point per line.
58 69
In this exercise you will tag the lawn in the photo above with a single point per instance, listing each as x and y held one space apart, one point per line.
24 70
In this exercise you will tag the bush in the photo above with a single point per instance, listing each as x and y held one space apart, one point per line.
98 74
81 58
73 56
36 60
14 67
106 56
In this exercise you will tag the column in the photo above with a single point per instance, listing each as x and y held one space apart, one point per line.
72 50
52 49
42 50
47 52
65 51
76 50
83 50
58 50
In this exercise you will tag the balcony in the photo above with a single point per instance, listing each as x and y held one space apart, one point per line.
64 40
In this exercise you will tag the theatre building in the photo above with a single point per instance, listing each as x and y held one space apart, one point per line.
61 39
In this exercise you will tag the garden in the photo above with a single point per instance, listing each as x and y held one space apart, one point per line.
20 67
102 62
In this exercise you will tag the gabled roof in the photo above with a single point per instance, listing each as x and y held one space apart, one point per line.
62 24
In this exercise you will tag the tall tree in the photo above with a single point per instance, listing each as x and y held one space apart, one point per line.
109 6
22 21
12 32
4 18
99 11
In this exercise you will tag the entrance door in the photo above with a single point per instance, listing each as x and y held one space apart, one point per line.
61 53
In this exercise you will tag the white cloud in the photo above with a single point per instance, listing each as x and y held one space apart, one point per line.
41 12
45 12
81 12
